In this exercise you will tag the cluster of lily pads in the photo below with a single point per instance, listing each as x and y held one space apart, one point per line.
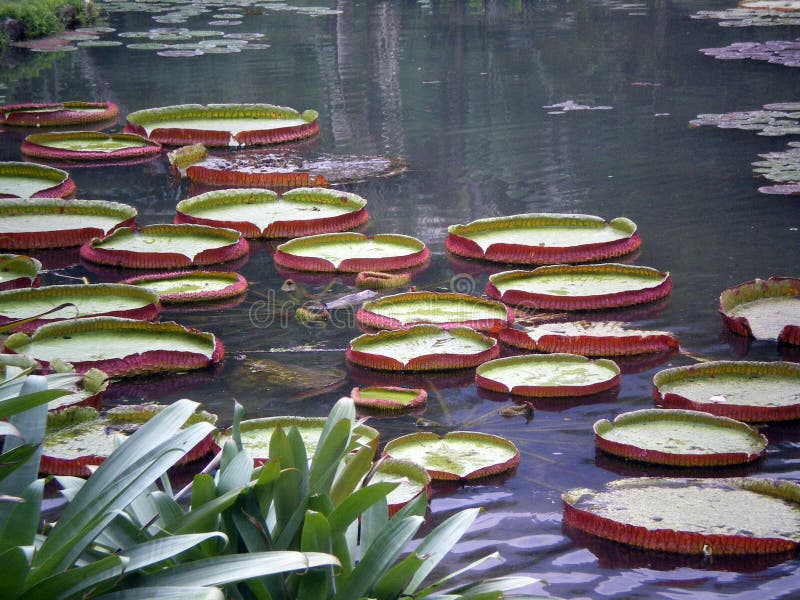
775 52
769 14
782 169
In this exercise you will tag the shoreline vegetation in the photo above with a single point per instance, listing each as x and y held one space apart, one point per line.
34 19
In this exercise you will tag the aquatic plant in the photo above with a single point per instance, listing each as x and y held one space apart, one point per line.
781 168
18 271
776 52
48 114
388 398
90 147
776 119
191 286
763 309
28 180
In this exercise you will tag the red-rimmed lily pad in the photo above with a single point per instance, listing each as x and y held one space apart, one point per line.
29 180
388 398
120 347
411 479
444 310
166 246
548 375
766 309
102 299
543 238
579 287
48 114
80 437
32 223
191 286
89 146
684 438
18 271
691 516
261 213
351 252
378 280
458 455
422 348
609 338
743 390
256 434
223 124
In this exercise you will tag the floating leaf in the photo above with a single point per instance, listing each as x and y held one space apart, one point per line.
774 52
29 180
771 121
17 271
388 398
37 114
411 479
764 309
191 286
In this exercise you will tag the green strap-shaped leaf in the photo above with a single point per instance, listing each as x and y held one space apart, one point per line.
13 459
390 586
440 583
203 491
78 580
352 474
195 520
357 503
497 585
16 562
236 473
329 455
169 511
373 521
166 593
343 410
316 537
23 518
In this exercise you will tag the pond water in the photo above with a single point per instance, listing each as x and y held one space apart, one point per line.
457 90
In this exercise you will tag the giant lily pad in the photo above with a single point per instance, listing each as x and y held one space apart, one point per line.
691 516
442 309
165 246
747 391
388 398
548 375
764 309
36 114
351 252
256 434
464 455
411 479
120 347
80 437
191 286
588 338
579 287
422 348
542 238
27 180
683 438
54 223
103 299
90 146
223 124
17 271
773 120
262 213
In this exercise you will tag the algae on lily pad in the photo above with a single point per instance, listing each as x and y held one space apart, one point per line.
261 213
437 308
18 271
55 223
89 146
543 238
48 114
458 455
683 438
691 516
422 348
191 286
766 309
548 375
29 180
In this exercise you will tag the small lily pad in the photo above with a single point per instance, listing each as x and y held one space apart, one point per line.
191 286
29 180
378 280
411 479
458 455
775 52
781 168
165 246
773 120
764 309
388 398
680 438
691 516
37 114
579 287
92 146
18 271
422 348
548 375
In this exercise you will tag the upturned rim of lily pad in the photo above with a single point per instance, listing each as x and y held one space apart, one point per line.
182 136
380 280
49 114
751 413
130 414
380 397
235 247
410 472
283 228
26 267
228 178
430 361
661 286
284 253
237 285
484 379
757 289
62 187
369 314
59 238
629 342
45 146
147 361
147 312
658 537
477 438
458 239
685 458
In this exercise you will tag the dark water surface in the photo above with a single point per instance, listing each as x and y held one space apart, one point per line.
456 90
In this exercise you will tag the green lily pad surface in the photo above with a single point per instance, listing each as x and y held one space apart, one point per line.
679 437
767 317
28 180
411 480
691 516
388 398
18 271
456 455
747 391
191 286
766 309
89 141
548 375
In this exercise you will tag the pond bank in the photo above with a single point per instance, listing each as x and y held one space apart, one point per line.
39 18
